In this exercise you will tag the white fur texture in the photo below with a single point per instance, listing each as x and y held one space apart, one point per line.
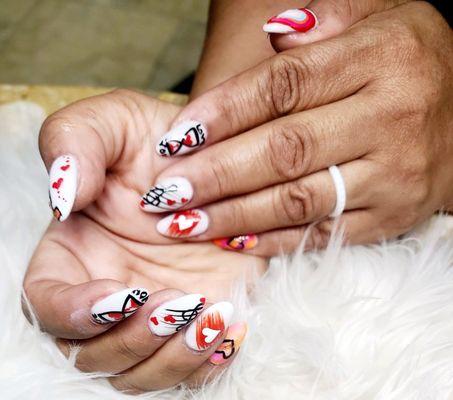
346 324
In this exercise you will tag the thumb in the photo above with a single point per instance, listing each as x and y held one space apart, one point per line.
80 311
321 19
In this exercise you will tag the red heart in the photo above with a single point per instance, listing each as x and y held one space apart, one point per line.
170 318
154 320
171 202
57 184
203 300
65 167
187 141
116 316
184 200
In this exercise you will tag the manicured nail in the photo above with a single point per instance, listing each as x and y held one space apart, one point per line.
294 20
62 186
183 224
209 325
184 138
244 242
167 194
174 315
231 344
119 305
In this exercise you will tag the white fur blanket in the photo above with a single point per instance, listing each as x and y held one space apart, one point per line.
352 324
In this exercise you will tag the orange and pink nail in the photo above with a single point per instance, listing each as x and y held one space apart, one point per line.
230 345
243 242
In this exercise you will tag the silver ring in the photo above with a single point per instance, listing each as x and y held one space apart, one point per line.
340 189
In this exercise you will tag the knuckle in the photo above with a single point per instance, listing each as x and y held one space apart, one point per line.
285 75
319 235
298 202
290 150
174 370
130 347
222 176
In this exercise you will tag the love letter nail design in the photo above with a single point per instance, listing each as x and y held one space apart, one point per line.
294 20
184 224
119 305
167 194
210 324
62 186
243 242
174 315
184 138
230 345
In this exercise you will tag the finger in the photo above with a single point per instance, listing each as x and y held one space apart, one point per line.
129 343
80 142
292 81
280 151
184 353
321 19
296 203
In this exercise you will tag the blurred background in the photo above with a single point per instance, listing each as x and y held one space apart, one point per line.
145 44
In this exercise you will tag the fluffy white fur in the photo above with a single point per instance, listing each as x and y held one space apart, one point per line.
357 323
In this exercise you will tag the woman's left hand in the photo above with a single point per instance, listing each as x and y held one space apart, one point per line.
376 101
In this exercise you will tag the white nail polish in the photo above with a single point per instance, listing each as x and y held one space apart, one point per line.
294 20
209 325
119 305
62 186
168 194
182 139
186 223
174 315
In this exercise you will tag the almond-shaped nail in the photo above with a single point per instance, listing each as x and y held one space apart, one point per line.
243 242
294 20
182 139
186 223
119 305
174 315
168 194
209 325
231 344
62 186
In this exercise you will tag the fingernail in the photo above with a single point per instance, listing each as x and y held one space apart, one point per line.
182 139
294 20
167 194
183 224
174 315
62 186
209 325
119 305
231 344
244 242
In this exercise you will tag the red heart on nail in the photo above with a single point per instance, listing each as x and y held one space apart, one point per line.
154 320
57 184
187 141
170 318
171 202
65 167
184 200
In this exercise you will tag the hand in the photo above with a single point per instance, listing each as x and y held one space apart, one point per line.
376 100
110 245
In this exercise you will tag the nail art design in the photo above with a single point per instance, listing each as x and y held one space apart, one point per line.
243 242
184 224
174 315
184 138
62 186
209 325
294 20
231 344
119 305
167 194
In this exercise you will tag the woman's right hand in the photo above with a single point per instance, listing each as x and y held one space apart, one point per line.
100 265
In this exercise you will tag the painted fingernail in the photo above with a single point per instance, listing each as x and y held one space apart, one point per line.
243 242
182 139
62 186
174 315
119 305
167 194
294 20
184 224
209 325
231 344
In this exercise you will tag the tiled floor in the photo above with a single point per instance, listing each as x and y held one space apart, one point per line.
147 44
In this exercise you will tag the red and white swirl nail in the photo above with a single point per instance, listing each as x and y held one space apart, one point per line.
294 20
186 223
62 186
168 194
